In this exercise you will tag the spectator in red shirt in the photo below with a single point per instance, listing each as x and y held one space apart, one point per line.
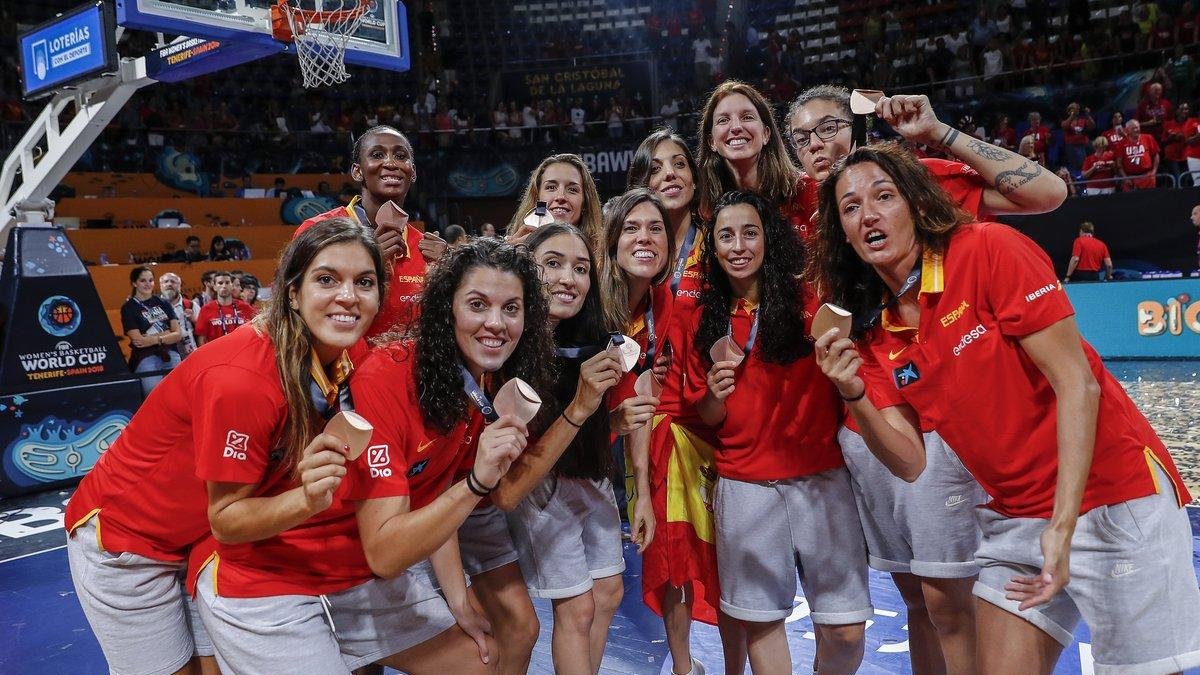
1076 127
1041 136
1153 110
1173 139
1191 148
1004 135
1137 158
1086 255
1116 132
1100 165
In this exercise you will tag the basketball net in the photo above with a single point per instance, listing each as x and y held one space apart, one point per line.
321 50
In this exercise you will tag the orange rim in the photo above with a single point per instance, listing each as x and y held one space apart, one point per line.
282 29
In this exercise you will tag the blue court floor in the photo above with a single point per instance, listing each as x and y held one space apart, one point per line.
43 630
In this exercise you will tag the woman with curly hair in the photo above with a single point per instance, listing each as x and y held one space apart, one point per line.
484 321
1082 490
741 148
564 183
385 170
783 500
679 567
563 516
636 301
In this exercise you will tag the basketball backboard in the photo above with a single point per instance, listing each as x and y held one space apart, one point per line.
380 42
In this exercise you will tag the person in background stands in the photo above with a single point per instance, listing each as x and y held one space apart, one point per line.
1137 158
223 316
249 289
455 234
185 311
150 324
1099 166
1086 255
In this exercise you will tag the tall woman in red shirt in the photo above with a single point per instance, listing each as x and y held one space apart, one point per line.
783 501
965 324
679 567
385 169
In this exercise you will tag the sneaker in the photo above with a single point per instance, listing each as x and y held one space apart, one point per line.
697 668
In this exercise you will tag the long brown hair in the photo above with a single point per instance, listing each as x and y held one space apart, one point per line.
289 334
777 176
614 288
832 264
589 216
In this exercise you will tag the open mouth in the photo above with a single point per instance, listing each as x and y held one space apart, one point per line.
875 239
644 254
671 191
737 142
344 319
739 262
490 343
560 212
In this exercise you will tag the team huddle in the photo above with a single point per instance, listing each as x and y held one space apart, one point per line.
952 428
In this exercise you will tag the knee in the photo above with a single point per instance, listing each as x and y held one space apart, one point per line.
845 638
949 615
607 596
524 630
575 614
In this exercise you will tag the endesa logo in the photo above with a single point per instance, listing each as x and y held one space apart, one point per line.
235 445
1155 318
969 337
378 460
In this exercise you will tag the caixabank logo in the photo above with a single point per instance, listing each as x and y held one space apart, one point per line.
59 315
1173 317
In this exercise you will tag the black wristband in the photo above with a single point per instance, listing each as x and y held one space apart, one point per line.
476 486
563 415
852 399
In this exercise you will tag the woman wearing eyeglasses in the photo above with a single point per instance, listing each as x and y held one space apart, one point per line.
923 533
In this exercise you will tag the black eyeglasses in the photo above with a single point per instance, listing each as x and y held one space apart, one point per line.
825 131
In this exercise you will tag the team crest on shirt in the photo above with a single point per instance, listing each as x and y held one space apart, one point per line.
906 375
236 444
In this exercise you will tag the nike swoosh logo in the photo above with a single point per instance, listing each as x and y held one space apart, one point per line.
893 354
422 447
955 501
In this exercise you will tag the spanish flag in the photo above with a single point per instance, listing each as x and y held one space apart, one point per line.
683 482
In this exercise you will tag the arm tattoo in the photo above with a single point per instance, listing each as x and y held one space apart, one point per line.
949 138
1007 182
988 151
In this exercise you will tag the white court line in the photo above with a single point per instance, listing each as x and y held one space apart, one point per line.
47 550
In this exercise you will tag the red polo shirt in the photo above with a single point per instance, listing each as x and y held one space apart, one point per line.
223 400
406 275
1137 158
781 420
964 370
385 392
324 554
1091 253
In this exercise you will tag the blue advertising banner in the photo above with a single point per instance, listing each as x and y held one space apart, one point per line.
68 48
1140 319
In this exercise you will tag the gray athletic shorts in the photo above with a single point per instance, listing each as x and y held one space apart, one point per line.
927 527
1132 581
308 634
137 607
568 533
769 530
484 541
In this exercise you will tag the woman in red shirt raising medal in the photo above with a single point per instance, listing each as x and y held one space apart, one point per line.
965 324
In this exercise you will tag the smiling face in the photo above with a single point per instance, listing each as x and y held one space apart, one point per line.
144 285
565 268
671 177
337 298
876 219
642 244
738 131
739 242
818 157
385 168
561 187
489 317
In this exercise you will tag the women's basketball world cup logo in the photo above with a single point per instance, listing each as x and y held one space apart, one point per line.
59 316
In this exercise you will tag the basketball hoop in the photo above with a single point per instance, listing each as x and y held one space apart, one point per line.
320 36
